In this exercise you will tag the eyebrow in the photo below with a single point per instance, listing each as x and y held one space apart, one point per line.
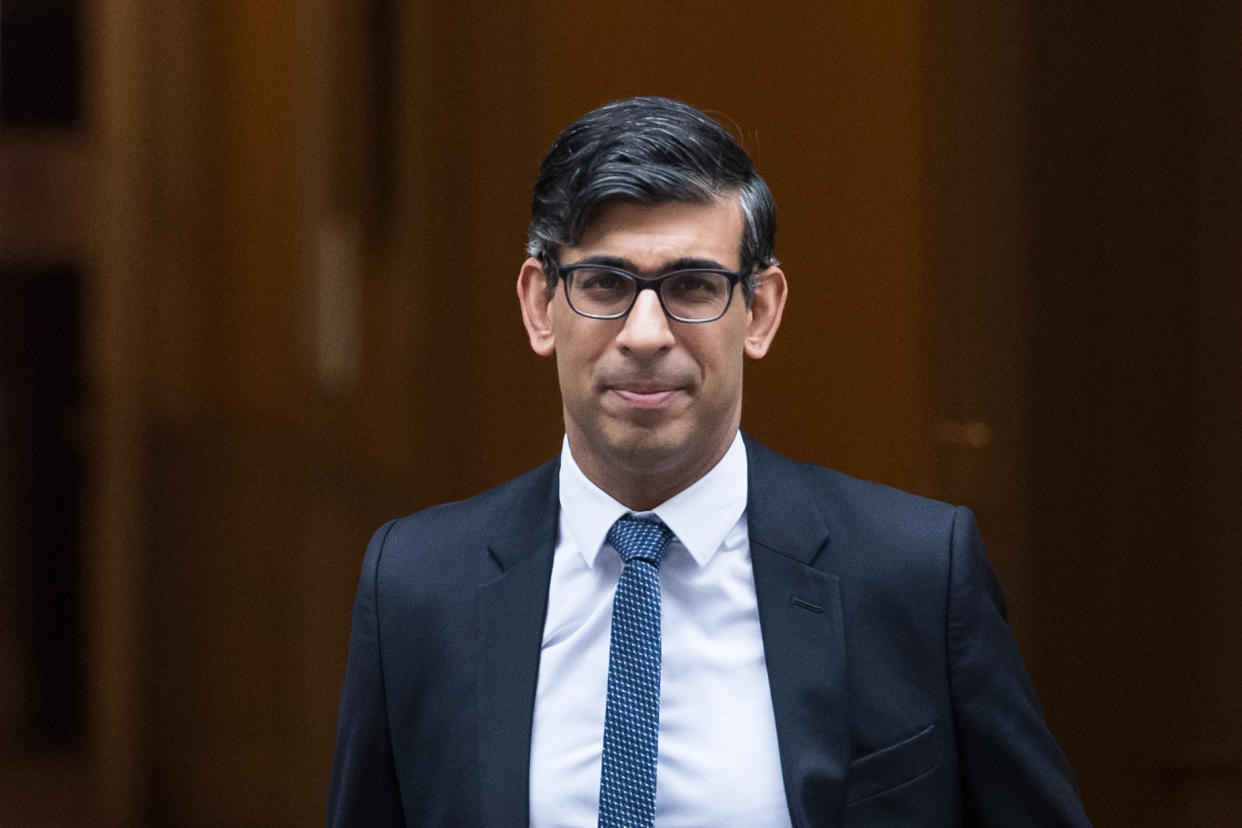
684 263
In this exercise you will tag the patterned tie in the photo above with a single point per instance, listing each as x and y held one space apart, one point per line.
627 786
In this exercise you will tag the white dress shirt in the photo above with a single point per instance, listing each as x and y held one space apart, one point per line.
718 760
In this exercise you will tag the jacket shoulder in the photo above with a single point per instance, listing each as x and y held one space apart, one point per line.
865 503
521 511
845 504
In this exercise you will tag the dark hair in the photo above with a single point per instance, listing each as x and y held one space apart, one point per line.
648 151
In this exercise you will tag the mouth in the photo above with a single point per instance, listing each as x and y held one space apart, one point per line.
644 396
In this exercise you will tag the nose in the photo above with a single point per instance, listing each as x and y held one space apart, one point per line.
646 329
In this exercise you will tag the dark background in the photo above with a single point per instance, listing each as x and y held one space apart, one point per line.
256 296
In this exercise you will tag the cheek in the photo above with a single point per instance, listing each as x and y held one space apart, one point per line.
580 342
576 357
719 358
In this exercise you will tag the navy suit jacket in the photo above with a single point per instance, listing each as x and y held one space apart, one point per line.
898 691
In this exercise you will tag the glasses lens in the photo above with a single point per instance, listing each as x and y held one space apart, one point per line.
600 292
695 295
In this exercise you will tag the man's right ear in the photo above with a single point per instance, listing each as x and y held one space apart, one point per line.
536 303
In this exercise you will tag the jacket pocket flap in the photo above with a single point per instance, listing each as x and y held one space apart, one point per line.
894 765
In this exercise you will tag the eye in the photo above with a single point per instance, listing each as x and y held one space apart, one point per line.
601 281
696 286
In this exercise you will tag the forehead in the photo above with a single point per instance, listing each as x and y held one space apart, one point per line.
653 237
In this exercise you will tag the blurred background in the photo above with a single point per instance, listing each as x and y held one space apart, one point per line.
256 296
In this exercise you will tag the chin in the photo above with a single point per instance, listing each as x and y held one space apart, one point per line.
652 450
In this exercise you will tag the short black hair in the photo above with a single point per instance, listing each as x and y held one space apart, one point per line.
650 151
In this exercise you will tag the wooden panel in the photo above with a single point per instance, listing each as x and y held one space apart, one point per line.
258 538
1210 800
1211 712
119 320
1083 203
45 185
1123 543
976 358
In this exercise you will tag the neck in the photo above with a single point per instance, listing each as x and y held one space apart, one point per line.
640 482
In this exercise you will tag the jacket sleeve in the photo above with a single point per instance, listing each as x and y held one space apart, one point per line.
364 789
1013 771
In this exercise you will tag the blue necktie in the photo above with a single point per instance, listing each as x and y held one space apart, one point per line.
627 786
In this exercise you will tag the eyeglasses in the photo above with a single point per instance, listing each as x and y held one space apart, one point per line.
603 292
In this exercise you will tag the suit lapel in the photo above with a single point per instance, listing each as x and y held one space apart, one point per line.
803 636
511 610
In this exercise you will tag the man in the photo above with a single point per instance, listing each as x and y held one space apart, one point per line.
669 624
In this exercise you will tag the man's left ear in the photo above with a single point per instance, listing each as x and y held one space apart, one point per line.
764 315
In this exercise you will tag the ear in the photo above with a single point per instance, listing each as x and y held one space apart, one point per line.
766 308
535 300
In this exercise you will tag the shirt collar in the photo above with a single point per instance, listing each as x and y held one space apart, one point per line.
701 515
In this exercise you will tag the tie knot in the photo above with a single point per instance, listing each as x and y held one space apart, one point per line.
640 539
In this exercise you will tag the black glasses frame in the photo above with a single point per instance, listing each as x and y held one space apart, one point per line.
642 283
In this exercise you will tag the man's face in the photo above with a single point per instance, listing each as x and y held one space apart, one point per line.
649 401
